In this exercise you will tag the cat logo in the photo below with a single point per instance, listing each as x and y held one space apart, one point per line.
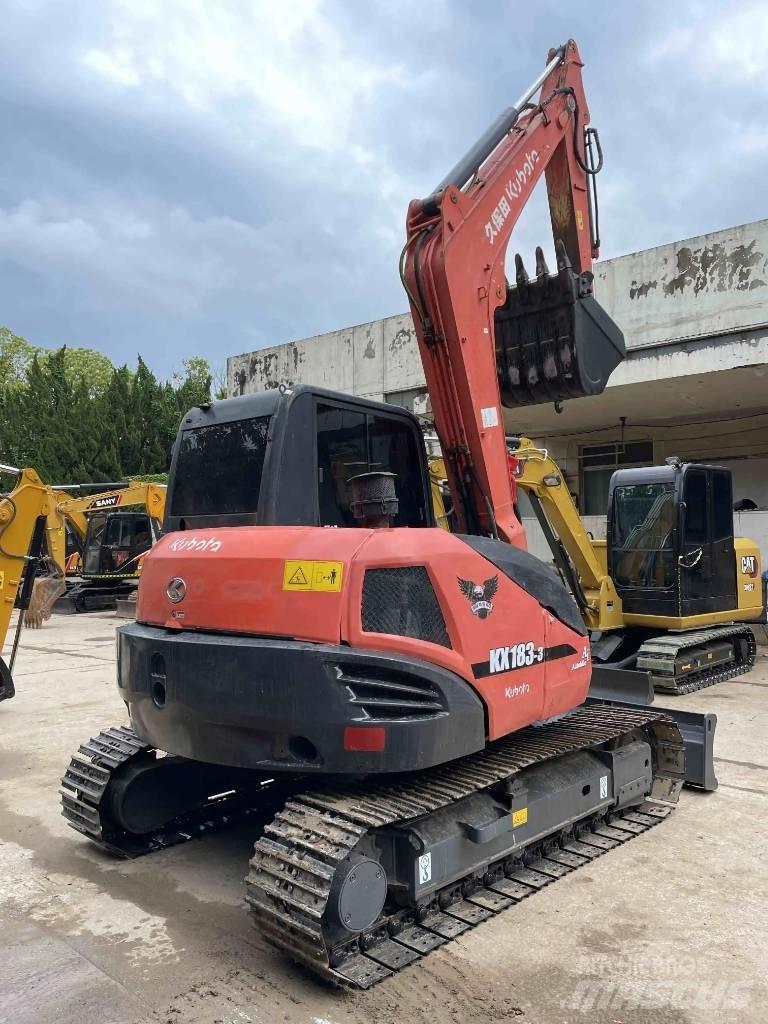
748 565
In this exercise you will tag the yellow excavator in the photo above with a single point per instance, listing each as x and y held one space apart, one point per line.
29 577
670 590
112 529
35 520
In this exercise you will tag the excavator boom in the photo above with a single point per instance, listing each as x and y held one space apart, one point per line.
482 343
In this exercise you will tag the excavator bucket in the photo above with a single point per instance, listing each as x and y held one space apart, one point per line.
46 590
553 340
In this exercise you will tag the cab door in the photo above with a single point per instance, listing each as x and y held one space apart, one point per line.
695 553
723 581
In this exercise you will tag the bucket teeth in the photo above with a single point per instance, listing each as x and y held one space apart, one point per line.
521 276
542 270
563 263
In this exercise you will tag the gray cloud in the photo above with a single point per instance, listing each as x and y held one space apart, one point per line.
194 178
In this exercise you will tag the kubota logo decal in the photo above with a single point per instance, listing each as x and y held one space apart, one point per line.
513 190
479 597
749 565
195 544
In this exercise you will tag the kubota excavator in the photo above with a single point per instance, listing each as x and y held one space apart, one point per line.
405 705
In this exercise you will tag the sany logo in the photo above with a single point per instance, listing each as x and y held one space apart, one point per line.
106 502
512 192
749 565
193 544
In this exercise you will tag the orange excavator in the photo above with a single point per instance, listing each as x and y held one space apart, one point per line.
402 710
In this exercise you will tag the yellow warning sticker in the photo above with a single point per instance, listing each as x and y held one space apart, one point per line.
520 817
579 220
302 574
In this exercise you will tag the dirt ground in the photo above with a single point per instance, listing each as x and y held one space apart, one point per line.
672 927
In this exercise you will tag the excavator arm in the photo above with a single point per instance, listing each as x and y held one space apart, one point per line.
482 343
152 496
573 550
26 516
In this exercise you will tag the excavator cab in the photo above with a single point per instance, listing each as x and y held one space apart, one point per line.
115 542
290 458
671 549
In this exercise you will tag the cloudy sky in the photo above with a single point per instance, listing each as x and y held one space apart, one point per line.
187 177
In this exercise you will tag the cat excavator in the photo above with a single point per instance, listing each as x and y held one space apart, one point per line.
671 590
401 711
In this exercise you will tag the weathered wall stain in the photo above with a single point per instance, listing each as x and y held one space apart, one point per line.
401 338
269 368
639 291
716 268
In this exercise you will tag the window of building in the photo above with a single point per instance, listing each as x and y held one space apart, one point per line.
598 463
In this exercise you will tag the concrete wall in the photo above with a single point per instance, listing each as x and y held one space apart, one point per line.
712 286
372 360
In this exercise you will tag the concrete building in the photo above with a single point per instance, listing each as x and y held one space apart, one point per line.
694 383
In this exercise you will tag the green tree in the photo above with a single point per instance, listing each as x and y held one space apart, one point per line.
87 365
76 418
15 357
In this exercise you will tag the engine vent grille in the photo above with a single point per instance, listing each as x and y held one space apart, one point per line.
390 696
403 603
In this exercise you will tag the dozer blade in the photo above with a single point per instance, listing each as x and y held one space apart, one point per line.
553 339
46 590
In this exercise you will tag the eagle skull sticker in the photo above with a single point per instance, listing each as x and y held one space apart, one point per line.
480 597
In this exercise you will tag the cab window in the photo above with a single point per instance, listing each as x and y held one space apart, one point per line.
350 442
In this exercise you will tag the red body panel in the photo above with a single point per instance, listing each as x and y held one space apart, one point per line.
235 577
234 580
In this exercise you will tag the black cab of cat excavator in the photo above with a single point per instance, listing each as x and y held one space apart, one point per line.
670 540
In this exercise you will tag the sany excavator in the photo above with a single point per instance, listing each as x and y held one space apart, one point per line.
404 706
113 540
34 521
671 590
